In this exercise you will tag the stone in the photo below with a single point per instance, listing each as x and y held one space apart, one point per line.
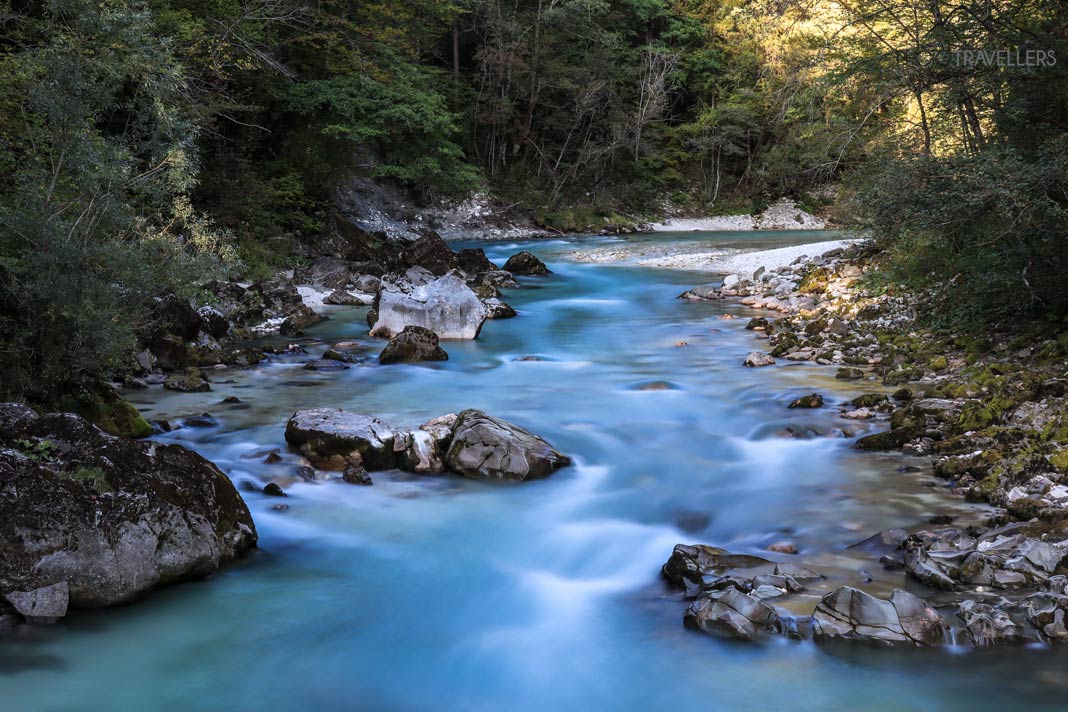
412 345
213 321
815 400
525 263
333 439
191 380
446 306
345 298
272 489
325 365
498 309
41 606
733 614
850 613
431 253
327 272
418 451
473 261
484 447
783 547
113 518
690 564
356 475
298 320
758 359
986 625
849 374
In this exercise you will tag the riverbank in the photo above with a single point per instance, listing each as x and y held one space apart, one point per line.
985 413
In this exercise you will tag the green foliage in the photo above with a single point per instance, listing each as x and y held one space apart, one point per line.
37 450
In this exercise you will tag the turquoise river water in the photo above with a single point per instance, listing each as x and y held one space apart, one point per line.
440 593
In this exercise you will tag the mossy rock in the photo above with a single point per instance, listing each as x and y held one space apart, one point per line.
813 400
815 282
92 476
868 400
111 413
939 363
849 374
889 440
1059 460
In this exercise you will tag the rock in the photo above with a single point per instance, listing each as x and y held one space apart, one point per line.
757 359
273 458
889 440
986 625
815 400
325 272
171 323
498 309
440 428
333 439
849 374
431 253
345 298
525 263
418 451
326 365
734 614
852 614
191 380
498 279
272 489
15 415
41 606
445 306
689 564
868 400
484 447
213 321
300 319
473 261
113 518
357 475
783 547
412 345
204 420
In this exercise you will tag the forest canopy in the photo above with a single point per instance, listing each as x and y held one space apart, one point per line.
152 144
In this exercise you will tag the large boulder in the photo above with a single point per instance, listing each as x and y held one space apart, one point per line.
527 264
333 439
413 345
484 447
850 613
171 324
431 253
446 306
101 519
473 261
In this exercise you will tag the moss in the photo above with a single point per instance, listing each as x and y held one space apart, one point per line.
976 416
93 477
939 363
1059 460
815 282
984 489
111 413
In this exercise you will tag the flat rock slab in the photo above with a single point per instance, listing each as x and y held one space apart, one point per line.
44 605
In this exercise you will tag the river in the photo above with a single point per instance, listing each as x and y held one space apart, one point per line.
440 593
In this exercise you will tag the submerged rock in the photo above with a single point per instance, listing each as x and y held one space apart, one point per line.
107 517
413 345
191 380
484 447
333 439
446 306
814 400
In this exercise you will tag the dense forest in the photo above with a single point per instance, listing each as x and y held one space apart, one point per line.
155 144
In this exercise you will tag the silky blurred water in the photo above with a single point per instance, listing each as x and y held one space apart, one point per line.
439 593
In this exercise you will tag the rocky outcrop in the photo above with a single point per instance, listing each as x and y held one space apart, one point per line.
100 520
473 261
333 439
526 263
412 345
446 306
431 253
484 447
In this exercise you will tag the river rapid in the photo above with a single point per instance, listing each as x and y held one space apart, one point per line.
440 593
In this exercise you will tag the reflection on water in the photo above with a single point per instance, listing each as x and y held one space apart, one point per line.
442 593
